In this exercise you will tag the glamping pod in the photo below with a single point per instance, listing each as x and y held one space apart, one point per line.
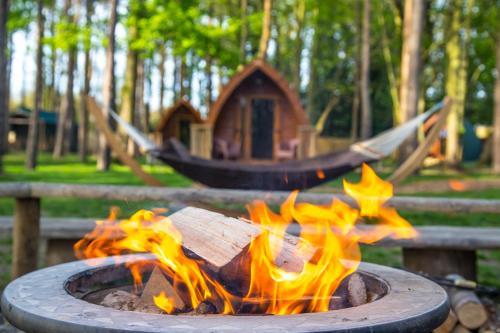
257 116
176 121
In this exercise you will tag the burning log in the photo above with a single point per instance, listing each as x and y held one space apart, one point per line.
467 306
356 288
448 324
222 242
156 285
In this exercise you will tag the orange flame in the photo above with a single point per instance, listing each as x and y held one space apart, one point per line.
457 185
334 231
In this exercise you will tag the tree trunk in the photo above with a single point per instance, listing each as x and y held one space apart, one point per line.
4 87
311 86
456 81
128 96
496 125
299 16
182 77
32 143
161 69
357 75
209 87
266 30
108 88
66 121
391 75
52 102
366 109
410 69
244 30
83 130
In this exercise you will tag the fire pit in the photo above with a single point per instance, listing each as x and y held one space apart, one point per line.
52 300
200 271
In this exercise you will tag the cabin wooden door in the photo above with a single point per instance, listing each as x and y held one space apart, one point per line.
262 118
185 132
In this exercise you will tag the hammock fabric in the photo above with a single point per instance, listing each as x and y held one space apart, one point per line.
290 175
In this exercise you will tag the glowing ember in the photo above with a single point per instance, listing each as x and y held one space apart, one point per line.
332 230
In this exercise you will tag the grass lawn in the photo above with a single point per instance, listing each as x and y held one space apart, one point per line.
70 170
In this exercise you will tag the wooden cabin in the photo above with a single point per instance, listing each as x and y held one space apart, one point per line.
257 116
176 121
19 124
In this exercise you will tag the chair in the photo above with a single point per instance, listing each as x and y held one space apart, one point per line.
287 150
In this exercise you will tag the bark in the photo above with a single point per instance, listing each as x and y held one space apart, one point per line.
83 130
410 69
53 98
4 87
66 121
391 75
266 30
299 16
32 143
208 78
244 30
128 95
496 125
161 69
182 77
357 75
311 86
456 80
108 91
175 84
366 110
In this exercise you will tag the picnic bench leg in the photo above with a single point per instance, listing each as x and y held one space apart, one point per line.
441 262
25 234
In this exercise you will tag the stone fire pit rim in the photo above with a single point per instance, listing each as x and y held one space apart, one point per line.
39 302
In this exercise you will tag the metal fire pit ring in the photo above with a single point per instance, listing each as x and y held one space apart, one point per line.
38 302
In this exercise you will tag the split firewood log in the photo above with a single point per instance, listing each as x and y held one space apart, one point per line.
222 243
461 329
467 306
157 284
448 325
356 288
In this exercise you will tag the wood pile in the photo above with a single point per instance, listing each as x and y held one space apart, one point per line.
468 313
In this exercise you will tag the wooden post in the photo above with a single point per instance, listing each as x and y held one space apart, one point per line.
25 234
201 140
307 142
441 262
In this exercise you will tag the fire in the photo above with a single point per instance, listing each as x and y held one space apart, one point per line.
334 231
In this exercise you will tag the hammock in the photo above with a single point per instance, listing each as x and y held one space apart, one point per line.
289 175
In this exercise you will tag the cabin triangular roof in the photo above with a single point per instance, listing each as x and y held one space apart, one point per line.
247 71
170 111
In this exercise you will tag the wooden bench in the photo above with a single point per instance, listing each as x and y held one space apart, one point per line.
437 250
440 250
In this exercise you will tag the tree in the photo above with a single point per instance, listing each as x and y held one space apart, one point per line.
266 30
4 100
32 143
456 72
66 121
108 87
300 11
410 69
496 124
357 73
244 30
366 109
83 129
